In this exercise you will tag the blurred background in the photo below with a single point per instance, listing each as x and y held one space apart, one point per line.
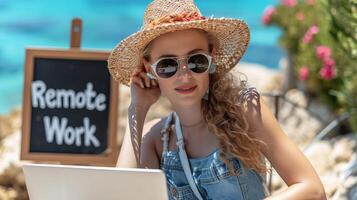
302 58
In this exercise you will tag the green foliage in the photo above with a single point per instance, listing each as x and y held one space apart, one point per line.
331 24
344 23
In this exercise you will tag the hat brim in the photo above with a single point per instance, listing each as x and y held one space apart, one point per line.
232 38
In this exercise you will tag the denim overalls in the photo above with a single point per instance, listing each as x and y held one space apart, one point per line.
213 178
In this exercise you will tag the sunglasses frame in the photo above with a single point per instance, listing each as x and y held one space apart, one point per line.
177 59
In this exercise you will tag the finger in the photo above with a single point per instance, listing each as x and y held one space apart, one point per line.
138 81
137 71
135 82
153 82
137 78
145 78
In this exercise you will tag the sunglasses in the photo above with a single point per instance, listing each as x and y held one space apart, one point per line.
168 66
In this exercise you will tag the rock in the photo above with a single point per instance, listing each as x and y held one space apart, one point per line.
8 193
347 190
350 169
331 159
10 153
339 167
12 182
10 123
352 190
274 84
297 97
330 182
343 149
296 120
319 156
323 112
259 76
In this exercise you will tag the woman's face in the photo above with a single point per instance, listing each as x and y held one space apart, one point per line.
181 44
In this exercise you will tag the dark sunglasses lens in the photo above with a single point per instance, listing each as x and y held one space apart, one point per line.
166 68
198 63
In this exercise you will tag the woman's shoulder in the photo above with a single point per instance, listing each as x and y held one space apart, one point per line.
152 132
152 129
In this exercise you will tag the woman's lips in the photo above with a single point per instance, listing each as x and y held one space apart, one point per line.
186 90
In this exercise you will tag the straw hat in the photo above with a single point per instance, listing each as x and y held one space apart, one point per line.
231 36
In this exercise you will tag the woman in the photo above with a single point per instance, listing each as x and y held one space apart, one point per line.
227 129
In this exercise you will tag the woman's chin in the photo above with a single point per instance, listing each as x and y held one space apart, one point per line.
186 101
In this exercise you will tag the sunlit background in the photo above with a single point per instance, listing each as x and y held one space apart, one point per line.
25 23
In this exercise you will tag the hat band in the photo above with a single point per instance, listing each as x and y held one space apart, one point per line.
180 17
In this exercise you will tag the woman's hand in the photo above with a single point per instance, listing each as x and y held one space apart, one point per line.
144 91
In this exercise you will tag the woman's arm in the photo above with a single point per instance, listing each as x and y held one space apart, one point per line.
129 155
144 92
136 141
290 163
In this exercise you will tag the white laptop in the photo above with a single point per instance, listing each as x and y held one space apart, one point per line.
64 182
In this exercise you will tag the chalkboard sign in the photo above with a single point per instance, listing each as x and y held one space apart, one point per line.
69 107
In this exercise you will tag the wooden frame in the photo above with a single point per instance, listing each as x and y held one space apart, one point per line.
109 157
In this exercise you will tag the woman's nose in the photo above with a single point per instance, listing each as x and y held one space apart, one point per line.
184 69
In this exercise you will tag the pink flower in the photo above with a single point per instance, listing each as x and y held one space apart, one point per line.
269 11
328 72
289 3
328 61
300 16
313 30
303 73
307 38
323 52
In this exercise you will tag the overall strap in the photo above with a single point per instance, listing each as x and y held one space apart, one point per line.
183 158
165 135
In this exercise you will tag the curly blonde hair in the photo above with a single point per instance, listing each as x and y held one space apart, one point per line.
223 110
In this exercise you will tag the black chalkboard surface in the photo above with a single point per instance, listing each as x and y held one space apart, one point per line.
70 105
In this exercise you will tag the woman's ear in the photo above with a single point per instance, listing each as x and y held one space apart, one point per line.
148 69
213 66
146 65
213 50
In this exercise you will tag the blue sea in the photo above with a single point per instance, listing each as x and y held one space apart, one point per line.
46 23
